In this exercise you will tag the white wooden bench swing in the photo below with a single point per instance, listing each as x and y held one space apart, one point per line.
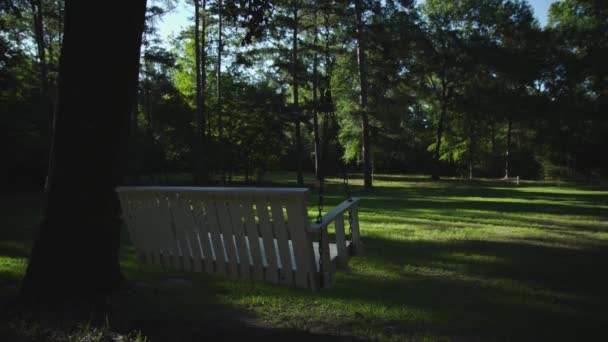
261 234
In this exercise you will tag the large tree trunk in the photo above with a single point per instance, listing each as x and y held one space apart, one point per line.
296 100
75 252
362 61
201 174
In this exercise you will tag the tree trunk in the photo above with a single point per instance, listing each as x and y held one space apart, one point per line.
201 171
204 80
327 101
446 93
361 59
440 124
75 252
220 127
315 100
471 149
493 146
507 156
296 99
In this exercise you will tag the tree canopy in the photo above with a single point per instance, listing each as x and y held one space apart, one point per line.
459 88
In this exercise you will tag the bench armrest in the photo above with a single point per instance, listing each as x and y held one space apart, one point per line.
336 216
331 216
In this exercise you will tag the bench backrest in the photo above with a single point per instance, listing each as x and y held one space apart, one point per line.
253 233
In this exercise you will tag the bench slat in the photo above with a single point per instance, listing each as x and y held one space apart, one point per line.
238 230
341 240
203 233
128 216
144 208
325 254
253 244
214 232
302 244
272 270
173 242
159 221
225 225
186 229
143 240
280 231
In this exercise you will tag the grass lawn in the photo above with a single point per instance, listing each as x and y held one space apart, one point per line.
447 260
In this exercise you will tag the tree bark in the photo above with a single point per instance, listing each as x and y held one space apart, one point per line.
75 251
444 98
220 126
471 147
362 61
438 141
493 147
203 133
296 99
315 100
201 174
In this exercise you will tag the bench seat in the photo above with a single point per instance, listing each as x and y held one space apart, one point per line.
186 228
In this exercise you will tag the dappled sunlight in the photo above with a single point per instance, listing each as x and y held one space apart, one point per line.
566 191
570 203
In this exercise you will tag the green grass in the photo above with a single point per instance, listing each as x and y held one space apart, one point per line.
444 260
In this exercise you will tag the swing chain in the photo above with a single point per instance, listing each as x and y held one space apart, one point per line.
319 220
321 176
321 257
350 199
320 206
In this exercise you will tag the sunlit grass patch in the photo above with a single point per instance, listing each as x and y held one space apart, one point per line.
11 268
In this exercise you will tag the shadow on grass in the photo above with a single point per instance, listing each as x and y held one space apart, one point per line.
484 288
195 313
153 306
474 289
157 310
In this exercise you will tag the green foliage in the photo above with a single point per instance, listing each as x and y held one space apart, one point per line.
257 135
24 123
472 65
165 116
